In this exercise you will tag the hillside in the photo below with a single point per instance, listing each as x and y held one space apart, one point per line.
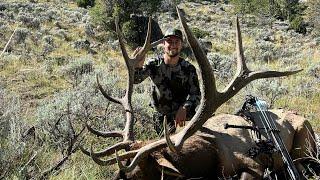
48 79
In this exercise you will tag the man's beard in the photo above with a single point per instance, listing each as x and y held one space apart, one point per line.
173 53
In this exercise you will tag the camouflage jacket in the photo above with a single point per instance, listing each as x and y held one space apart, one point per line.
173 86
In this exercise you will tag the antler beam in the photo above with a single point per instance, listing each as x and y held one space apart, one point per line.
127 133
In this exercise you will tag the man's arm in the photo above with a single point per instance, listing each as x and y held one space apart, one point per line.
141 72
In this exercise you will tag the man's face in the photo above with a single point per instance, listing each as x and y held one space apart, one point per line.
172 46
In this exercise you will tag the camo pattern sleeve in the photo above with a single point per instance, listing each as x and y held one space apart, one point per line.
141 74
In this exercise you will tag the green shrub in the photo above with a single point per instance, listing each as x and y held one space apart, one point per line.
199 33
270 90
77 68
105 11
129 31
251 6
314 70
280 9
85 103
16 145
298 25
102 16
85 3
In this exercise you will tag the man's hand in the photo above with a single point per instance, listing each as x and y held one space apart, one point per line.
135 53
181 116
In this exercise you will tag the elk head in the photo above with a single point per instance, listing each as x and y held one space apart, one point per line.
211 100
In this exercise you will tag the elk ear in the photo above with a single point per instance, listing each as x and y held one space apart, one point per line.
167 168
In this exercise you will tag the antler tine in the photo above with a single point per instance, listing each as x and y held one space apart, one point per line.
142 153
107 152
241 64
121 145
104 134
270 74
104 163
244 76
166 135
146 47
121 166
112 99
122 46
114 160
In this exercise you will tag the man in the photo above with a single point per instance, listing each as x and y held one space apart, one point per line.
175 90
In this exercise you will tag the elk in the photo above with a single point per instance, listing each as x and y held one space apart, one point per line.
203 149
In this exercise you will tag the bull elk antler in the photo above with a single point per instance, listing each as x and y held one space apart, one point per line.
127 133
211 98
